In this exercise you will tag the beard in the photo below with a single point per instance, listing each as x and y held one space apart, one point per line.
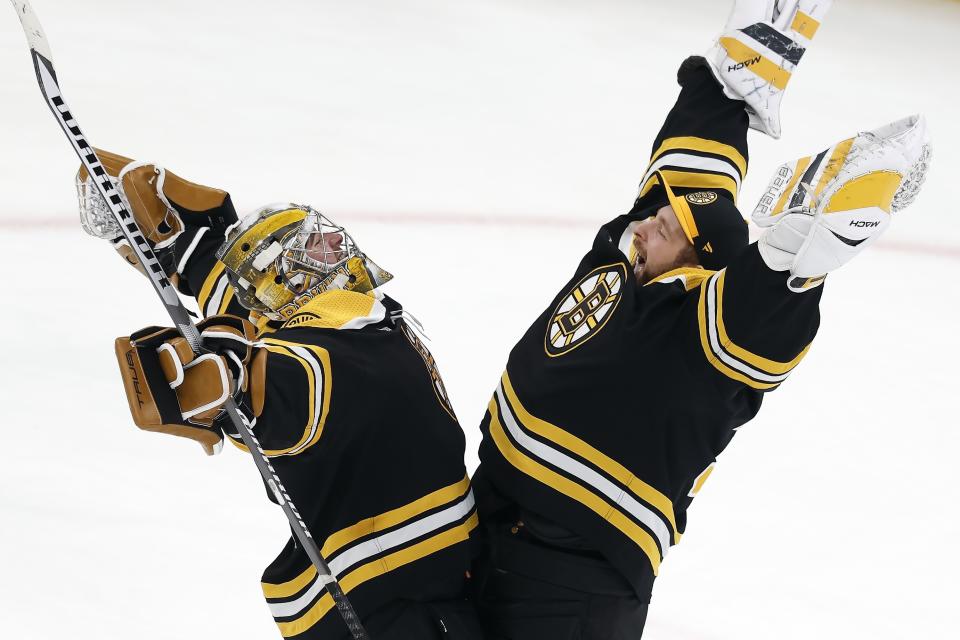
644 272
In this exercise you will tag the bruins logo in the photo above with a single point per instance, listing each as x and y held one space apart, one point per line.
299 319
702 197
585 310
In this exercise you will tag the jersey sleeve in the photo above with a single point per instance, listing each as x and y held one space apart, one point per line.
201 274
702 144
294 390
744 327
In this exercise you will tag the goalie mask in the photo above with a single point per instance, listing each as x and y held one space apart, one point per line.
281 256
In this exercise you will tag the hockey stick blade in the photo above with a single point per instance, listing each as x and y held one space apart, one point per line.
50 88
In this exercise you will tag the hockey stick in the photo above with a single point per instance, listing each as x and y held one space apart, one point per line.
49 86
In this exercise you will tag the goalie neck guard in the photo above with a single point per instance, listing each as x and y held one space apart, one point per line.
283 255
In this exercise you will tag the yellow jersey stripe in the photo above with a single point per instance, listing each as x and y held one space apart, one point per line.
610 466
306 441
291 587
208 285
692 180
759 64
378 567
346 536
572 490
712 358
763 364
701 480
227 297
324 361
311 382
692 276
705 146
394 517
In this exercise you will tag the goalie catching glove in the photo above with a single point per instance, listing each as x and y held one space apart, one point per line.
821 211
759 51
164 205
170 389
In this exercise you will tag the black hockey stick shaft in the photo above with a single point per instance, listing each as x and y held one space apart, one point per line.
49 86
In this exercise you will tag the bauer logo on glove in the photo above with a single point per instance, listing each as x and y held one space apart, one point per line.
821 211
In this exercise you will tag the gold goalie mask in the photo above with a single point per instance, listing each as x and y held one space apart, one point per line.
281 256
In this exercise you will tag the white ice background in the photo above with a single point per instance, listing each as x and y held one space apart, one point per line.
472 148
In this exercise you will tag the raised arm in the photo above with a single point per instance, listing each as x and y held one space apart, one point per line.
183 221
755 319
738 85
748 328
702 144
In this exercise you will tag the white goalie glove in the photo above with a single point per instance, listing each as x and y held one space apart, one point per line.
821 211
759 51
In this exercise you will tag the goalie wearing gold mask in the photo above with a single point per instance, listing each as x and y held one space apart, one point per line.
300 336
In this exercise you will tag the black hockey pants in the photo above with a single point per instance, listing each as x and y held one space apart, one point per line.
413 620
530 591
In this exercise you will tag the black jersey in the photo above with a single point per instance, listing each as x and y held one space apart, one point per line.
360 430
617 400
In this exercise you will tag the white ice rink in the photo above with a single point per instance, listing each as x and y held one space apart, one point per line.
472 148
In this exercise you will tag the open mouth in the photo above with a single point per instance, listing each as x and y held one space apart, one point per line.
639 264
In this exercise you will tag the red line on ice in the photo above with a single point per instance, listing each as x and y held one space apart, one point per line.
478 220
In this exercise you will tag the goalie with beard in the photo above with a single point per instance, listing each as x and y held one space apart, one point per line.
617 400
343 396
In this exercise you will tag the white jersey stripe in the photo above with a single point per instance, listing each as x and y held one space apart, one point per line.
585 475
213 304
318 374
362 551
685 160
718 349
190 249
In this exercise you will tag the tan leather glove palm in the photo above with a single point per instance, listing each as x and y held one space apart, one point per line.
172 390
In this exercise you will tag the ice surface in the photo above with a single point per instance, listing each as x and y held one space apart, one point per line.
472 149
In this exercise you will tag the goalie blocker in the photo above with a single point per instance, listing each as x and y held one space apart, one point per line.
171 390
